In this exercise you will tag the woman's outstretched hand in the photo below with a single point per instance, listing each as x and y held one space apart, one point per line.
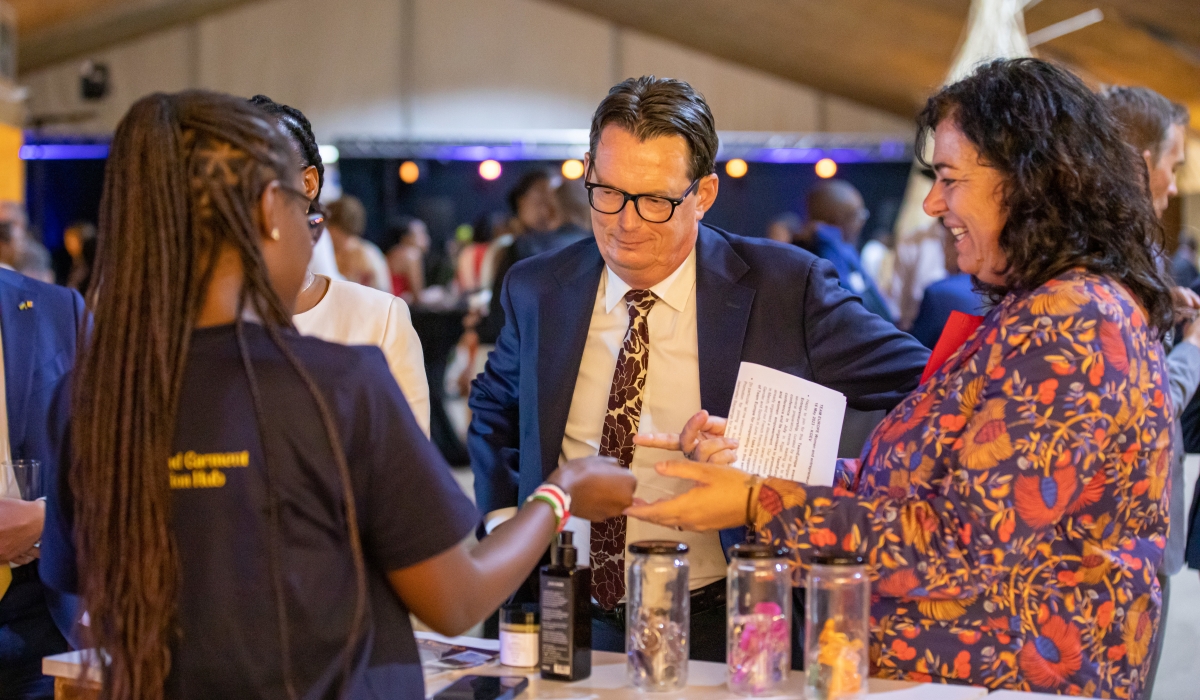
599 487
719 499
702 440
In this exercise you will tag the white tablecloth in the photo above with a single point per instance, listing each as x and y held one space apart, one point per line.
706 681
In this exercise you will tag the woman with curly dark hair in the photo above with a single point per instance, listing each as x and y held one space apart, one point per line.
1013 507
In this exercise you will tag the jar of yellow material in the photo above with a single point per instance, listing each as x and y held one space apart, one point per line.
519 629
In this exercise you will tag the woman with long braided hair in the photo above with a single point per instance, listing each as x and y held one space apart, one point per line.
248 512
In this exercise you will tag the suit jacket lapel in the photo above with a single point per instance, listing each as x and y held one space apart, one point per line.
564 315
19 329
722 313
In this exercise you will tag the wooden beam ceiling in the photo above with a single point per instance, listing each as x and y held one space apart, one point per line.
892 53
50 31
886 53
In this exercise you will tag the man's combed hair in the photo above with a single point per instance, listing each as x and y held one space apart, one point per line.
650 107
1074 192
1144 117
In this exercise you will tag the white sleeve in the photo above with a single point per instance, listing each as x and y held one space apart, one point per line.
402 348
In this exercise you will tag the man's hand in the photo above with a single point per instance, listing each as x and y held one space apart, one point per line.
20 528
716 502
702 440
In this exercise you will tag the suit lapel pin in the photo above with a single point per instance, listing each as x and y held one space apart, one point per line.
25 305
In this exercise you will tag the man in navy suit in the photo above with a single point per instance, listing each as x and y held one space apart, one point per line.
39 326
643 325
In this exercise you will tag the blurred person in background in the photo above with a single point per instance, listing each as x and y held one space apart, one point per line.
14 234
36 263
1155 129
1013 507
358 259
470 273
785 228
406 259
836 215
70 267
343 312
281 514
1183 262
954 293
536 215
39 329
573 202
918 261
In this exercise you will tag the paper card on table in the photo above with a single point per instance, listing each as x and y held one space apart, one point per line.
786 427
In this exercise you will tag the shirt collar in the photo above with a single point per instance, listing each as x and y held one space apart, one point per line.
674 290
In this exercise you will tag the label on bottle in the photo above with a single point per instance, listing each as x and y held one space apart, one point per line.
518 648
556 626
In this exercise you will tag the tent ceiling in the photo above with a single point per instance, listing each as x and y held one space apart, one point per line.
892 53
885 53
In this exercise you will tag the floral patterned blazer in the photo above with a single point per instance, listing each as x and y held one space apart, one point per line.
1013 508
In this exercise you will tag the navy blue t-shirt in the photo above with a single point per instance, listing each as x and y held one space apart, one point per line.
409 509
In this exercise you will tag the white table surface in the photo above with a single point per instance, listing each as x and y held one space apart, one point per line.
706 681
1019 695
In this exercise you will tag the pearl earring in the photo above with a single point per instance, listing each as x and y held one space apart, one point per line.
274 234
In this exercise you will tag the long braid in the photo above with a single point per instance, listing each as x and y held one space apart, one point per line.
182 183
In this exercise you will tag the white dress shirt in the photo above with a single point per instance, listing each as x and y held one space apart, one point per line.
353 314
671 396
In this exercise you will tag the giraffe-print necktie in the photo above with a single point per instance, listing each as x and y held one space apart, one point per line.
620 425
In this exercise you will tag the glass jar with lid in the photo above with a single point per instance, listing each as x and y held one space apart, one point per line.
657 615
837 628
759 608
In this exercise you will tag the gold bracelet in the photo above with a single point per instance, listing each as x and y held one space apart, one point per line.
751 499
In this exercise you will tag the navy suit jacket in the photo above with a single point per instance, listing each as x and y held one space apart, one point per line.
955 293
39 352
756 301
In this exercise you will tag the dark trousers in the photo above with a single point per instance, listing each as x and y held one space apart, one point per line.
707 635
707 642
27 633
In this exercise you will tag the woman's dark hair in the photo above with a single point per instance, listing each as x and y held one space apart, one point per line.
649 107
1144 116
527 182
299 131
183 182
1076 195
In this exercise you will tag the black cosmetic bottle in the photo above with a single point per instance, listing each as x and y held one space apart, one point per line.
566 594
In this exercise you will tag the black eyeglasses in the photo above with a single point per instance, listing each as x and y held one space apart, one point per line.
654 208
315 213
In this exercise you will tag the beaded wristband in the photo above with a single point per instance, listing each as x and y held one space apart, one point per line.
558 501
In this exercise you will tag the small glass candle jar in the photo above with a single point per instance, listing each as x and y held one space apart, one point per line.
519 630
759 605
657 615
837 628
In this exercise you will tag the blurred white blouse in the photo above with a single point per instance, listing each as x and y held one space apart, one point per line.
352 314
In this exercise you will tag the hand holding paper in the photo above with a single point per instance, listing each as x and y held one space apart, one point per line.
787 427
784 426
